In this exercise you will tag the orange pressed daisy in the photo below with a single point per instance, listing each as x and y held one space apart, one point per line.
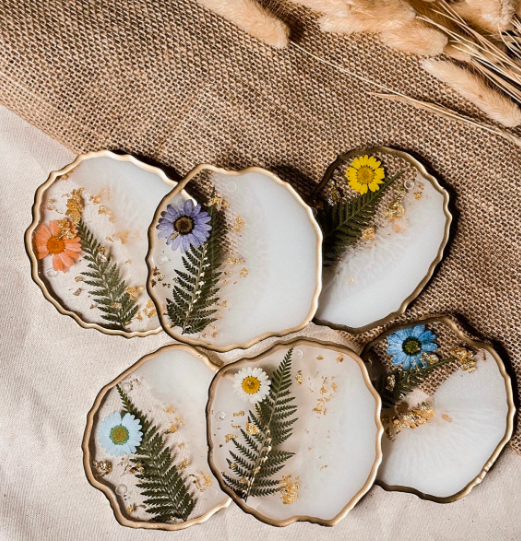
52 240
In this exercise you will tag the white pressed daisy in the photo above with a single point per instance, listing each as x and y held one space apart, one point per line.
120 435
252 384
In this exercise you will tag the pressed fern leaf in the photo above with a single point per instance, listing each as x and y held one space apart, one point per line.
404 382
161 481
195 293
258 459
344 222
110 294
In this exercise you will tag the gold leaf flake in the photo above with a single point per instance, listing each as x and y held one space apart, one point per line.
75 206
369 233
239 224
184 464
95 199
123 236
92 306
251 429
320 358
234 261
236 427
289 489
104 467
323 467
170 409
340 358
219 202
229 437
334 387
78 279
408 418
77 293
391 382
239 414
244 272
447 417
418 195
150 310
116 305
395 209
298 377
171 430
110 239
134 292
128 261
466 358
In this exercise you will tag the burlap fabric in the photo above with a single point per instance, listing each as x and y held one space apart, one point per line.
177 85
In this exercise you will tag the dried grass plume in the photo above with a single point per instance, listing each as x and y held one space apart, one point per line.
251 17
476 90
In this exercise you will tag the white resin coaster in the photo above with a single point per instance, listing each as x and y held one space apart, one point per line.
295 433
380 247
234 258
448 409
145 443
88 241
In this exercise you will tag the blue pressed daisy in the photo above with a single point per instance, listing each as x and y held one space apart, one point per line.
184 226
407 346
120 435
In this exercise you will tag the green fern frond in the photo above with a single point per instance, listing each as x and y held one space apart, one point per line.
161 482
195 293
258 459
110 290
344 222
394 386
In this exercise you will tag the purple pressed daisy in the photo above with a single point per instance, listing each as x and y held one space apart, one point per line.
184 226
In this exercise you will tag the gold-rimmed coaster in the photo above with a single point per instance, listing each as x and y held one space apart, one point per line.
235 257
88 241
145 446
385 221
448 408
295 432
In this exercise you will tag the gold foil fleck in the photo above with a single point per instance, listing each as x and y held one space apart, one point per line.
236 427
77 293
239 414
244 272
92 306
123 236
395 209
418 195
239 224
229 437
234 261
95 199
116 305
78 279
390 383
430 358
128 261
298 377
75 206
369 233
134 291
251 429
103 467
289 489
465 357
218 202
150 310
320 358
340 358
184 464
407 418
171 430
323 467
447 417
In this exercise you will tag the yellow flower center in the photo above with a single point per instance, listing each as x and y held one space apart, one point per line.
119 435
184 225
55 245
411 346
250 385
365 175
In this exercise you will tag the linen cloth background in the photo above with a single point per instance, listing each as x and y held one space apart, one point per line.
52 370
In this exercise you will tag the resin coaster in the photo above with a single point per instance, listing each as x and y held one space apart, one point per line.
385 222
447 408
295 433
88 241
234 258
145 442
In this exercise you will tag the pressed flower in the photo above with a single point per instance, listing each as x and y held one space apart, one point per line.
365 173
408 346
184 226
58 241
120 435
252 384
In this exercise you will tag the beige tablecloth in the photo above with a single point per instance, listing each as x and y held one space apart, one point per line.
52 370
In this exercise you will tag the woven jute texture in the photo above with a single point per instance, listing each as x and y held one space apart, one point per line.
177 85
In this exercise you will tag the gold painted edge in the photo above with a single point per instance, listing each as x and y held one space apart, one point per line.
510 401
87 458
152 243
420 287
37 216
378 444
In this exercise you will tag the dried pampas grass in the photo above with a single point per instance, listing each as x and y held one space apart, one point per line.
335 8
251 17
416 38
473 88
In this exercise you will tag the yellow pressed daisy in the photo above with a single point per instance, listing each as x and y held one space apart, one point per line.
365 173
252 384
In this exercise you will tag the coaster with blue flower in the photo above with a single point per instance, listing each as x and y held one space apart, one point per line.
447 408
145 444
234 258
385 222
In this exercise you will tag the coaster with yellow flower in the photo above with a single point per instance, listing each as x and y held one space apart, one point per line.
145 446
385 222
234 258
294 433
87 242
447 408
